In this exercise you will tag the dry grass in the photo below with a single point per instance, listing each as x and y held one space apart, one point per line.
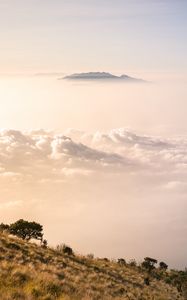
29 272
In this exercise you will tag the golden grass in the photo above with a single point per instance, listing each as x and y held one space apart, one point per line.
29 272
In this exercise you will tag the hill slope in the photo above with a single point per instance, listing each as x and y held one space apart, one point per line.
28 271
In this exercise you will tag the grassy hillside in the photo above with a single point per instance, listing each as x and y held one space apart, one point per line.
28 271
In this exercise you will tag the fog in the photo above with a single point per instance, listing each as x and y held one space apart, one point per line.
38 102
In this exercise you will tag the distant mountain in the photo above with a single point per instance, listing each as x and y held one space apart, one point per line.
101 76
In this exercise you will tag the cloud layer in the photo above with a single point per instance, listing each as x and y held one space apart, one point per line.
24 154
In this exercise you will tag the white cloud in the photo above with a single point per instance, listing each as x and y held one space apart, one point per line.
37 153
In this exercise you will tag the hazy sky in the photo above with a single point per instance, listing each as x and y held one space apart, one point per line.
72 35
107 171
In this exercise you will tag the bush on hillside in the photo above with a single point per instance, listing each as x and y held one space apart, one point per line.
4 227
65 249
163 265
133 263
149 263
121 262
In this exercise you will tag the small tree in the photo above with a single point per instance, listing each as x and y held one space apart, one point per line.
149 263
27 230
163 265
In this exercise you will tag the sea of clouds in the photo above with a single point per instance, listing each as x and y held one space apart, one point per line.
44 155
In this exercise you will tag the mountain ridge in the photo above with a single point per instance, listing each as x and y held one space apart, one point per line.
101 76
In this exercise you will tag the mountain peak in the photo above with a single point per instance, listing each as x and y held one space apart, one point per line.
100 76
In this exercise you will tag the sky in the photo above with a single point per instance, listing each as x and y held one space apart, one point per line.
67 36
102 166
